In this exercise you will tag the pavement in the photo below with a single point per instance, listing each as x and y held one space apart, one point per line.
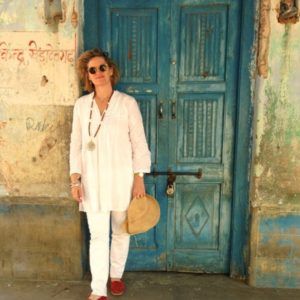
148 286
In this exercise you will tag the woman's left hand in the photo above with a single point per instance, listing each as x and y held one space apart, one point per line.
138 189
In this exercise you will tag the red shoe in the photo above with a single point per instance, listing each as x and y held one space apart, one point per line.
117 288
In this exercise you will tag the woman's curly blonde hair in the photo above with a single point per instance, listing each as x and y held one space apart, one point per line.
82 67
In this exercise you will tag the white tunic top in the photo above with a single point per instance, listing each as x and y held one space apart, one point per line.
121 150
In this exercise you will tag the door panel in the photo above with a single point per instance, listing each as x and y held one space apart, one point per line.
134 43
197 216
197 219
147 104
136 36
178 59
202 43
200 136
202 85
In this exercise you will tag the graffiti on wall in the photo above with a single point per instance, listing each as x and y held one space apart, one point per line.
35 52
38 86
37 68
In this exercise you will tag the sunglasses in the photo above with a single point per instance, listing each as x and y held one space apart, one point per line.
102 68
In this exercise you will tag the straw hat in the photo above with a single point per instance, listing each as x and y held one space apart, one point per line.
143 214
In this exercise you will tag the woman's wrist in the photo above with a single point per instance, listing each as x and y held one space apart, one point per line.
138 178
139 174
75 180
75 184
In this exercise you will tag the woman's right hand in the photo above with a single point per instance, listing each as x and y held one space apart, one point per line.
77 193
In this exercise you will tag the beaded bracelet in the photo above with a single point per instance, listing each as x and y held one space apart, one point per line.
75 184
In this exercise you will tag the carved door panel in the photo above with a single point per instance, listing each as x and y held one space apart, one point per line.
204 47
179 60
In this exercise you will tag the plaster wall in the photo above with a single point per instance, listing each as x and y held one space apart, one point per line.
38 87
275 182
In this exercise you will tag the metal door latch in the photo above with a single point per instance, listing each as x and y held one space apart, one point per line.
170 190
171 184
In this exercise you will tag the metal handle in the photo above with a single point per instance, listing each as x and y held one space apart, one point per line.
160 111
173 110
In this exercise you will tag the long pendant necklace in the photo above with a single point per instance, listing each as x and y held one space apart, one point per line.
91 146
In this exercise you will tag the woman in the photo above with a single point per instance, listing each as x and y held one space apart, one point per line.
108 157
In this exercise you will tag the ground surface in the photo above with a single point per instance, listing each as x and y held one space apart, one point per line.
146 286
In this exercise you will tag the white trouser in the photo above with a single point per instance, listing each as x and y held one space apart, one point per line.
99 225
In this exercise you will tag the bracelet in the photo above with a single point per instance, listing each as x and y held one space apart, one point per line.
75 184
76 179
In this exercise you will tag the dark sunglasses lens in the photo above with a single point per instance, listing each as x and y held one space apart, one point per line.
92 70
103 68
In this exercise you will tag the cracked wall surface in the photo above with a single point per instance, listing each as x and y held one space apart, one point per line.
38 87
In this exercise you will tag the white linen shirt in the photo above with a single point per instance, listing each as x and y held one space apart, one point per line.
121 150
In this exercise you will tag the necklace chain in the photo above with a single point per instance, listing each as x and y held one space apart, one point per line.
102 117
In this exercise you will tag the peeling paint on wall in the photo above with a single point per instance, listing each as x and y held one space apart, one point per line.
279 155
41 168
17 15
275 249
74 16
275 194
38 87
263 38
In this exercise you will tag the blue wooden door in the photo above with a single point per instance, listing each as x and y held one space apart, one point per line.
179 60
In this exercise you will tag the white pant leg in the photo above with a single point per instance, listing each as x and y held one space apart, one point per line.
119 244
99 251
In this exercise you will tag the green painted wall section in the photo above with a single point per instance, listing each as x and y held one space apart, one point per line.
279 148
275 192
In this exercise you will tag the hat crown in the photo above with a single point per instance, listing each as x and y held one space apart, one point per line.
143 214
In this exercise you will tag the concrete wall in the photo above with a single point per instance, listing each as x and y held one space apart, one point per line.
275 191
40 225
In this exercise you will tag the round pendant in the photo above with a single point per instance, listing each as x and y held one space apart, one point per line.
91 145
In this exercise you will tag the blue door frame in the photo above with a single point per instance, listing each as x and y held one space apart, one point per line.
240 209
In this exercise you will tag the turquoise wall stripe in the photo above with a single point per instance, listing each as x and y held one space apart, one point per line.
277 256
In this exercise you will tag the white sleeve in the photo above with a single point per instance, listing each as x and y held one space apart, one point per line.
76 143
140 152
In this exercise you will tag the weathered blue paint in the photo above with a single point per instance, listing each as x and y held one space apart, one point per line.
286 224
241 209
205 35
170 79
277 249
91 24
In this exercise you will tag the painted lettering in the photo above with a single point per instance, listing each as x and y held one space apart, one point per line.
43 55
50 54
40 126
6 53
